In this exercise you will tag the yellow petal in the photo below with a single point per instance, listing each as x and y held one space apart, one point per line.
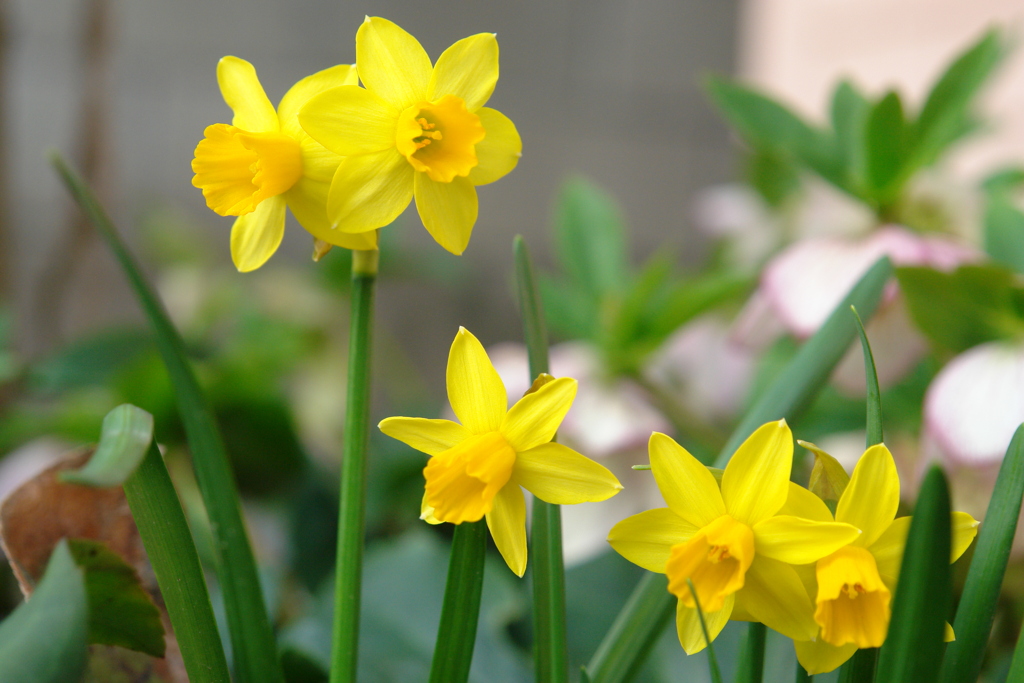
242 91
800 541
828 478
872 496
475 390
256 236
756 480
819 657
948 635
448 210
559 475
427 512
646 539
691 635
307 200
888 549
350 120
965 528
507 522
369 191
499 151
802 503
429 436
391 62
310 86
468 69
686 485
534 418
774 595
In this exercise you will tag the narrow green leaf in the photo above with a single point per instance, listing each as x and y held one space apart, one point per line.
861 667
751 664
802 676
252 640
775 176
44 640
886 148
914 644
1004 231
1016 673
456 633
716 674
874 395
124 439
850 111
977 608
590 240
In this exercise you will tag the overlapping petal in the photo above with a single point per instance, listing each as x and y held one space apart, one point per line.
256 235
691 635
369 191
802 503
756 480
310 86
559 475
534 418
427 512
448 210
646 539
391 62
307 200
507 522
872 497
432 437
794 540
819 657
468 69
687 486
888 549
475 391
350 120
242 91
774 595
499 151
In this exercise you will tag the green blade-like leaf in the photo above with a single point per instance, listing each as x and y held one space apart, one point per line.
1016 673
590 240
456 633
1004 231
914 644
861 667
751 664
976 611
850 111
716 674
886 149
874 395
44 640
125 438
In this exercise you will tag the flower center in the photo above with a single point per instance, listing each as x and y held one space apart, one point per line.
853 602
462 481
715 559
237 170
439 138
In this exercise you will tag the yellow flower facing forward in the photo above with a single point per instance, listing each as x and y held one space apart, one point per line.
855 584
730 541
477 467
414 129
264 162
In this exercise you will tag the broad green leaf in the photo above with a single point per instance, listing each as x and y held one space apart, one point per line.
977 607
861 667
886 147
969 306
44 640
751 663
850 111
124 440
1004 231
120 610
923 598
590 240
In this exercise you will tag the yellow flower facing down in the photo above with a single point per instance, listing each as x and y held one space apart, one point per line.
264 162
414 130
854 585
478 468
730 541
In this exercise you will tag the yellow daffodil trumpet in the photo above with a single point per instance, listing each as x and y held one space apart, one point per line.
414 129
479 465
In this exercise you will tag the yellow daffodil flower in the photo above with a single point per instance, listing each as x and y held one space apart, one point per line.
854 585
415 129
477 467
264 162
730 541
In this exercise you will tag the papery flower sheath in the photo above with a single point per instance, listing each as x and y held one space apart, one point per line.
478 468
414 129
730 541
264 162
854 585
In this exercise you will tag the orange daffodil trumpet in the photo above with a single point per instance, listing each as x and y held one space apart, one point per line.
854 585
730 541
477 467
414 130
264 162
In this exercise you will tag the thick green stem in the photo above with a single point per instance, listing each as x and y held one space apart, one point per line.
352 509
751 668
164 531
456 634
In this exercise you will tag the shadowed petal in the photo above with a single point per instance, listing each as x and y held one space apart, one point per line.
872 497
507 522
800 541
369 191
691 635
775 596
256 235
448 210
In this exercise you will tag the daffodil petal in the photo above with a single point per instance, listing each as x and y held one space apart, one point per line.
350 120
872 497
949 635
646 539
427 512
475 390
888 549
499 151
369 191
242 91
802 503
691 635
391 62
819 657
448 210
468 69
794 540
310 86
557 474
307 200
965 528
429 436
507 522
756 480
685 484
534 418
256 235
775 596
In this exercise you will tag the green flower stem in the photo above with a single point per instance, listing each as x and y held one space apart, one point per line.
802 676
551 660
861 667
352 510
252 639
456 634
751 667
165 534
